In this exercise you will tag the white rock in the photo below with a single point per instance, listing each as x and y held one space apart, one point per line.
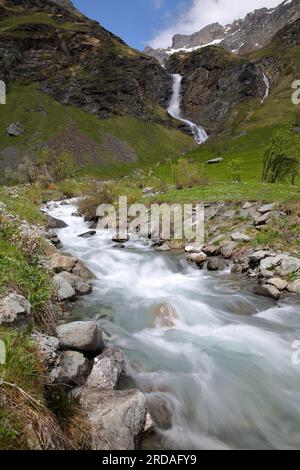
73 369
280 284
107 370
266 208
15 310
294 287
64 290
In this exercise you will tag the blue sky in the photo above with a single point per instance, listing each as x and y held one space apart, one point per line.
136 21
140 22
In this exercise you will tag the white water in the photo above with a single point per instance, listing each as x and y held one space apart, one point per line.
225 367
174 110
267 83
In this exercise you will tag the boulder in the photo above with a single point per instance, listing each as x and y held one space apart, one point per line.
163 248
117 418
55 223
240 237
280 284
120 240
89 234
73 369
267 291
160 411
247 205
61 263
15 310
266 208
215 264
15 129
259 255
107 370
197 258
64 290
48 347
270 262
294 287
289 265
210 250
227 249
81 336
215 161
193 248
82 271
80 286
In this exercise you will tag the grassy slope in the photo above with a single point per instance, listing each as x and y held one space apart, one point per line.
151 142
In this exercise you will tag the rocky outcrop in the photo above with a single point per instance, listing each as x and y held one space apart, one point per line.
214 83
105 77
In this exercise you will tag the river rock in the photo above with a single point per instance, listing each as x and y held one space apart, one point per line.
247 205
107 370
165 316
197 258
15 310
262 219
259 255
266 208
267 291
81 336
163 248
81 287
82 271
280 284
65 291
294 287
215 264
193 248
210 250
73 369
227 249
240 237
117 418
62 263
55 223
89 234
289 265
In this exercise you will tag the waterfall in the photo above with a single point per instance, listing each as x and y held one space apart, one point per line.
199 133
267 83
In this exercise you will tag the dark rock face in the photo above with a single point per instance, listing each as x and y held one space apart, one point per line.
77 62
214 83
242 36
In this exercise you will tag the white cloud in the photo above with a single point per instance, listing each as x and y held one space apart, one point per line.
203 12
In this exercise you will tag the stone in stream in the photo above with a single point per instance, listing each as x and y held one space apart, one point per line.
107 370
65 291
193 248
215 264
15 310
117 418
210 250
197 258
267 290
82 271
160 410
88 234
54 223
82 336
165 316
81 287
163 248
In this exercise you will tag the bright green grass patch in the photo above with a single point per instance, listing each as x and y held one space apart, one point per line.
20 270
23 208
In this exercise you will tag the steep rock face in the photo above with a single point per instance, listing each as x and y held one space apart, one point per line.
214 83
76 61
243 36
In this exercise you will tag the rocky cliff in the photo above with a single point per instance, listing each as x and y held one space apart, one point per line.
242 36
76 61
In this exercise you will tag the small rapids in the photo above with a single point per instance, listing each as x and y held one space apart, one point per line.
214 360
174 110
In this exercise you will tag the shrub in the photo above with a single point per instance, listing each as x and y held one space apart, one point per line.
186 174
282 157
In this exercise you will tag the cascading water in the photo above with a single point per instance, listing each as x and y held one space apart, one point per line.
219 356
267 83
174 110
